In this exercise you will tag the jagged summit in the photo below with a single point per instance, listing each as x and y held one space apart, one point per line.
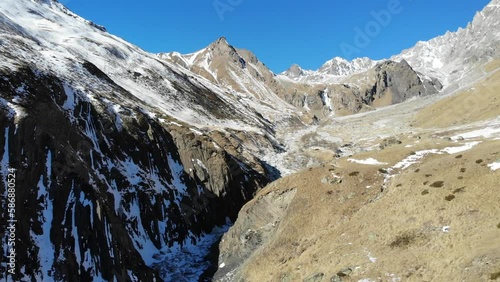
294 71
221 44
442 57
332 71
236 70
220 41
342 67
221 48
447 56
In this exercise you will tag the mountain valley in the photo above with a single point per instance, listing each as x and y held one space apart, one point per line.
134 166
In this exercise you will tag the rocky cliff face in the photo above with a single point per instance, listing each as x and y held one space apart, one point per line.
101 198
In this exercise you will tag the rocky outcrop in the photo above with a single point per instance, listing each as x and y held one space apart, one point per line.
399 82
256 225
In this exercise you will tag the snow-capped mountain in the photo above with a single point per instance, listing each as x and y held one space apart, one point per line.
443 57
317 94
239 72
341 67
333 71
447 56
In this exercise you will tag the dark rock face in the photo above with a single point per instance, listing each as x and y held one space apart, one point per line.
100 195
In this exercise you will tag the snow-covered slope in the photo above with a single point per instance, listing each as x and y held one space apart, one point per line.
447 56
61 37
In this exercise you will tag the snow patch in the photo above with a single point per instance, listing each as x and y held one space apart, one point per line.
46 249
369 161
486 132
70 100
494 166
415 158
465 147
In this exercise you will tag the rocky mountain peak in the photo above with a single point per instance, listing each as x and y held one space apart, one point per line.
221 48
341 67
220 44
294 71
221 41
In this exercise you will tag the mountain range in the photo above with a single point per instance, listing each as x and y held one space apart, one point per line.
130 166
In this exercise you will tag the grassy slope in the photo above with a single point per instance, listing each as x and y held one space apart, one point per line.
481 102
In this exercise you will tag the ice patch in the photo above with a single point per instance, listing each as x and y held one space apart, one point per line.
131 171
46 249
197 132
70 94
187 262
325 98
118 121
140 238
370 256
369 161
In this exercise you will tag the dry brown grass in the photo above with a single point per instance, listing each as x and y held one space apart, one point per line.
329 227
480 102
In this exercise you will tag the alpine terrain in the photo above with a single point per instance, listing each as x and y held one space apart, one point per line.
134 166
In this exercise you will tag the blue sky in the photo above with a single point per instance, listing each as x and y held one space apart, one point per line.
281 33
